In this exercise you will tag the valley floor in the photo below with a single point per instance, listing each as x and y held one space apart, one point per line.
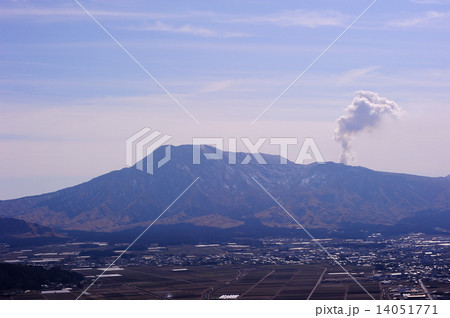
223 282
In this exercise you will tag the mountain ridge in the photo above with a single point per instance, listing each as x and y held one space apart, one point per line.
226 196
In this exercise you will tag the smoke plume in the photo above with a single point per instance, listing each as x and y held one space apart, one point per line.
364 114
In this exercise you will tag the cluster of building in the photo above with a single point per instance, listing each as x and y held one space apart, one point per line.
401 264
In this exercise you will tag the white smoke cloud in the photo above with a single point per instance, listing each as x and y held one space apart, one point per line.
364 114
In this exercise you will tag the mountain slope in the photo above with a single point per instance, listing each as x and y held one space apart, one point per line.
225 196
11 228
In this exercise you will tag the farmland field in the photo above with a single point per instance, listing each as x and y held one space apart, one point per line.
212 282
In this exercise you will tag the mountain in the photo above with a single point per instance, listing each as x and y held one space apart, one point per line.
226 196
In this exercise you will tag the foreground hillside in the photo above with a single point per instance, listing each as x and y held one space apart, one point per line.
22 277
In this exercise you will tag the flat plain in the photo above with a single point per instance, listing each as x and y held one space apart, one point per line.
213 282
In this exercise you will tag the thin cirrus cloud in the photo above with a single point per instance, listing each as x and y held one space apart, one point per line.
301 18
352 75
189 29
64 13
218 86
426 19
294 18
288 18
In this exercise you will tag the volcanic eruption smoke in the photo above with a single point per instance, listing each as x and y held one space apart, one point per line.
365 112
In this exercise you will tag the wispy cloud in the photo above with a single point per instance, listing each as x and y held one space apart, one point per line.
51 14
189 29
67 12
217 86
352 75
300 18
291 18
428 19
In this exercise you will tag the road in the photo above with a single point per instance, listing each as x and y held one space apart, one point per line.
208 293
257 283
425 290
317 284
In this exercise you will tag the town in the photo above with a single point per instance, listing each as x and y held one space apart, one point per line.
413 266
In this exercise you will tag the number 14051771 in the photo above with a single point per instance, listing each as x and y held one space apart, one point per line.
407 309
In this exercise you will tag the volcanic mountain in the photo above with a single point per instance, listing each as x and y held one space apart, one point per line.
226 196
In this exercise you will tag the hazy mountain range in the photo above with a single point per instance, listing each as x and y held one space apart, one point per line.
328 196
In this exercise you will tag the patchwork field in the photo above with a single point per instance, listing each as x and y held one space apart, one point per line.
216 282
212 282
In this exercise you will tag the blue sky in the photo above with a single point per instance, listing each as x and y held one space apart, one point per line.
70 96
